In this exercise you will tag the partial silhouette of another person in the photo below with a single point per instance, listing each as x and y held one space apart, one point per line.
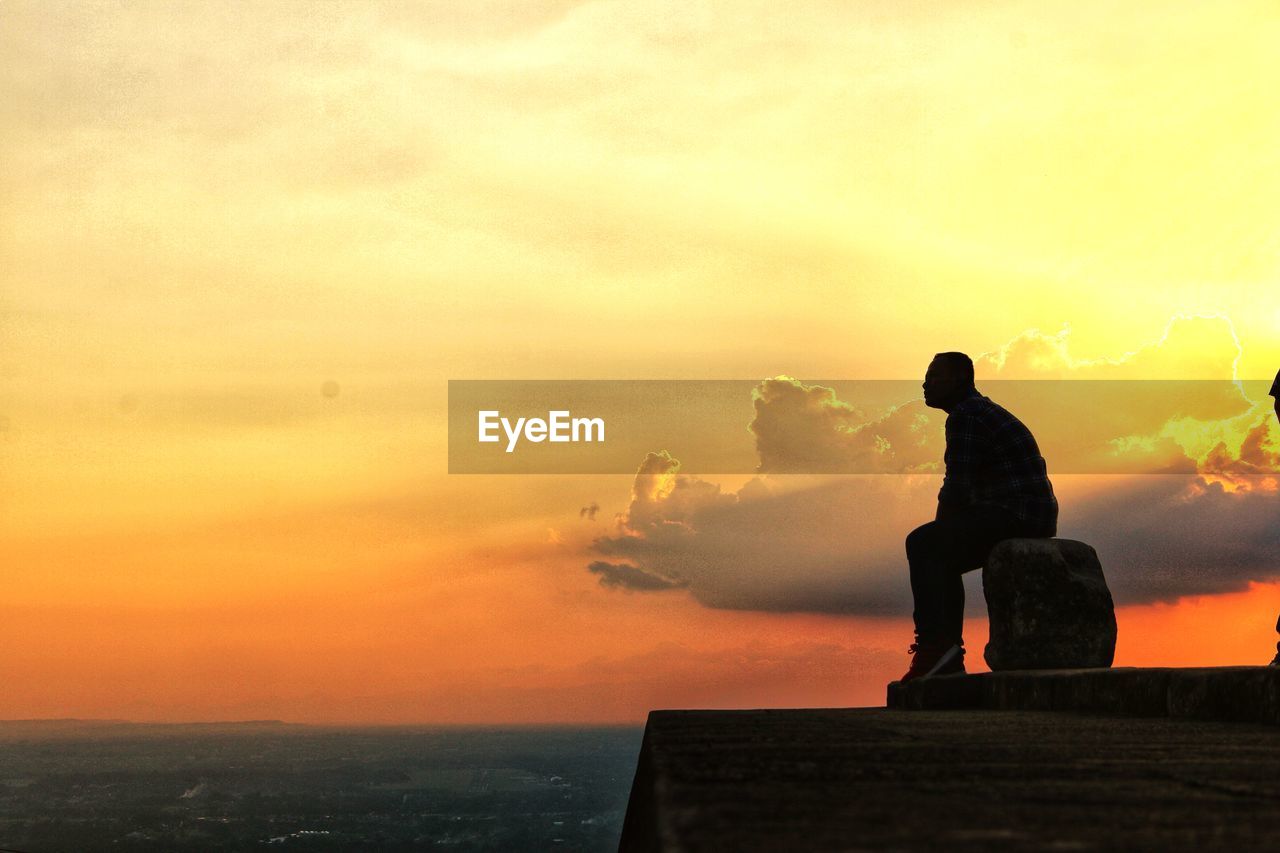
1275 394
996 487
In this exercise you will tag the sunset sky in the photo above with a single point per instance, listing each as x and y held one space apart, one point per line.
244 247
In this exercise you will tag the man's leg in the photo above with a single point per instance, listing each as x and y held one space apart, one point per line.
932 582
938 554
1275 661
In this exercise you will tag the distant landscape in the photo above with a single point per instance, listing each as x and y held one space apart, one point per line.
76 785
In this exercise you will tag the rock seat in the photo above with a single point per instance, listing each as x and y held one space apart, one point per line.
1048 605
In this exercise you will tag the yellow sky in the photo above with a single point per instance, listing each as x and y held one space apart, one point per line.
210 210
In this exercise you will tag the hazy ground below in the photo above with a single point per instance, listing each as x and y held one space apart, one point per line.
84 786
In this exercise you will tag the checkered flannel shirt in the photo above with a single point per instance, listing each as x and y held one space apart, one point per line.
991 457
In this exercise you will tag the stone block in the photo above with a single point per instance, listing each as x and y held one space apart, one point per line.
1049 606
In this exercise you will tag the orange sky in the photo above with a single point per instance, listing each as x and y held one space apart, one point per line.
210 211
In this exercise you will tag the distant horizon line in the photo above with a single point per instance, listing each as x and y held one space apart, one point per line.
120 721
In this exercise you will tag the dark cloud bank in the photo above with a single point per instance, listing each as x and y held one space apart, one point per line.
835 544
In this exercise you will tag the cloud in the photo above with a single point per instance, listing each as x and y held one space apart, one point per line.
805 428
1160 538
1191 347
782 544
835 544
1254 466
1158 409
623 576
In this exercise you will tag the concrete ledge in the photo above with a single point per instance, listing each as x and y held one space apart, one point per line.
1233 694
1237 694
966 781
940 693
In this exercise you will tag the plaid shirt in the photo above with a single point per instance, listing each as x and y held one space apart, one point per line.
991 457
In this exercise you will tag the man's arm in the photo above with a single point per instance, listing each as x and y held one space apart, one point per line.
1275 392
962 457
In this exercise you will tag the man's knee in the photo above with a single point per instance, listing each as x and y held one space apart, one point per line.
919 539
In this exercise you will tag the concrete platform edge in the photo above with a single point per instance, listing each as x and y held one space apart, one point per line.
1238 694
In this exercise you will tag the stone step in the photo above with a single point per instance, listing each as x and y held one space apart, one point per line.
1234 693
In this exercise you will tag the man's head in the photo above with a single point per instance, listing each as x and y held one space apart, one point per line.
948 380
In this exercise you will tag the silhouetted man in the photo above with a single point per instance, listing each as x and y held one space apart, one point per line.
996 487
1275 393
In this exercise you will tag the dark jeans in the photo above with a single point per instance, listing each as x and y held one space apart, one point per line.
940 552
